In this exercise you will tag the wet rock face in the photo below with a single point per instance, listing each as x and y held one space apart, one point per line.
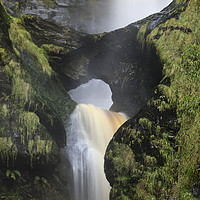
91 16
69 51
34 107
116 58
154 139
131 71
131 68
79 15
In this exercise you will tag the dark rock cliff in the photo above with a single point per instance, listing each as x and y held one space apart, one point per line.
115 57
40 61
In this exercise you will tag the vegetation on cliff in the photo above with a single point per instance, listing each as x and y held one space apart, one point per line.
176 176
33 109
178 44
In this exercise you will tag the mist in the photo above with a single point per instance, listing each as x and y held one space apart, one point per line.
109 15
124 12
96 16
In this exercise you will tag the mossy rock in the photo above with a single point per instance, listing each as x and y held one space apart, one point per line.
165 133
33 102
34 107
177 43
139 146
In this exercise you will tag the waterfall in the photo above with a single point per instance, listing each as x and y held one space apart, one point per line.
124 12
88 135
90 129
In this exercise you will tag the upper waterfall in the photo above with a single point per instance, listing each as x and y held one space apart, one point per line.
125 12
94 16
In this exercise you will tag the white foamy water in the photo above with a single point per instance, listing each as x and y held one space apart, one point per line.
89 133
90 130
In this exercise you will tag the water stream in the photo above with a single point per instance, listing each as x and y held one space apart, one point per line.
89 132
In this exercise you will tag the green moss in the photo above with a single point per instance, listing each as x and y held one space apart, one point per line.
4 111
125 166
30 121
141 34
98 36
50 48
177 43
149 160
4 56
133 135
26 124
161 103
158 129
32 97
8 150
145 123
44 147
180 1
38 145
30 85
150 38
4 19
20 89
31 151
39 148
21 41
155 169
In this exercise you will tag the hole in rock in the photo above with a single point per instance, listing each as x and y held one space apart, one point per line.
95 92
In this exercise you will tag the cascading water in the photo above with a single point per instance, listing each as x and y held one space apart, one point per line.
89 133
90 130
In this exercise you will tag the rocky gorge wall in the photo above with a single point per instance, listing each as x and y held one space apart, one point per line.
148 157
154 155
34 108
